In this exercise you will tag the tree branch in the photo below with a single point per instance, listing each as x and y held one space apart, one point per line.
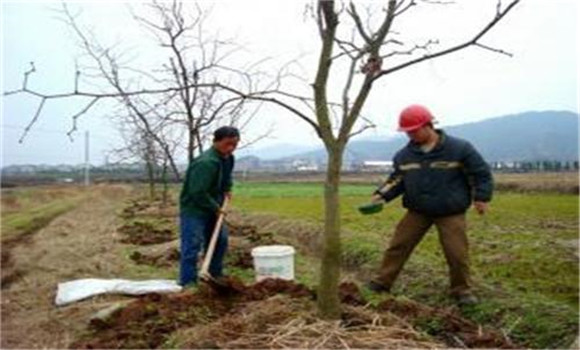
456 48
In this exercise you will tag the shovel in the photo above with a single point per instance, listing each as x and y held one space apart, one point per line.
376 205
204 274
371 208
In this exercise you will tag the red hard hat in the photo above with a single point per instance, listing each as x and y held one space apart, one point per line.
414 117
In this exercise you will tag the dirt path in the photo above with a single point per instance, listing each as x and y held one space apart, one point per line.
80 243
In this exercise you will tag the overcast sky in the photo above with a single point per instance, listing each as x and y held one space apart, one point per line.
471 85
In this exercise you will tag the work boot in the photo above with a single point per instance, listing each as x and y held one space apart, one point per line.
377 287
466 299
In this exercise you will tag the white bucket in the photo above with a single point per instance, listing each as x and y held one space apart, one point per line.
274 261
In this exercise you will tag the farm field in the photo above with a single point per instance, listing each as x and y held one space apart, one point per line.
524 259
524 254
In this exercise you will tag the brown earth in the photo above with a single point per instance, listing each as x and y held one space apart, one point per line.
207 319
447 325
145 233
148 321
80 243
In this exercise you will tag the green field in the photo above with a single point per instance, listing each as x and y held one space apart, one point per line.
524 254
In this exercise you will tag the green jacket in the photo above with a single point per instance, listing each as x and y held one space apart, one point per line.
207 178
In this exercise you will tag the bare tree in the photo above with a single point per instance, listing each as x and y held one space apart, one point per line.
196 59
140 146
195 88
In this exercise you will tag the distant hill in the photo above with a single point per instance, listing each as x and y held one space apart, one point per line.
529 136
279 150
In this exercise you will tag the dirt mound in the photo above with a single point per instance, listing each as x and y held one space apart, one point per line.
269 287
447 325
251 233
349 293
275 313
240 253
133 207
238 229
232 287
240 258
146 207
165 259
148 321
145 233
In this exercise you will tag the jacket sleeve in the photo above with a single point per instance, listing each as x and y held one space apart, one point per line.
229 181
201 176
479 173
393 187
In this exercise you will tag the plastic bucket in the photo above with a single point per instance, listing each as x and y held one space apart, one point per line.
274 261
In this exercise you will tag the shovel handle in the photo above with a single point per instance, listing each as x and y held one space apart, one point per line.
212 243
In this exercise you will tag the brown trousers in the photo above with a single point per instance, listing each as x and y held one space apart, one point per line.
409 232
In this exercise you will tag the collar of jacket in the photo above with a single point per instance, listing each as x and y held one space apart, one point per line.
215 153
415 147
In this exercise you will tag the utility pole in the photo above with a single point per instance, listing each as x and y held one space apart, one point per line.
87 176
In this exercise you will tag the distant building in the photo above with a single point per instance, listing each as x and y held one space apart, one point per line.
304 165
377 165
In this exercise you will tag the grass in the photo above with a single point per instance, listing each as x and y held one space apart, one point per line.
523 254
26 210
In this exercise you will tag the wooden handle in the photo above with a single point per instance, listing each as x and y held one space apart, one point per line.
213 240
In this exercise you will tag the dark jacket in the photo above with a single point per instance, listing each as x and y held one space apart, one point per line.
207 178
441 182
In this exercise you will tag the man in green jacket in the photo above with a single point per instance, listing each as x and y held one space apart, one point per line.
440 177
208 181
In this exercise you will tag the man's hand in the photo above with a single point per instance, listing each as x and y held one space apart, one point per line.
376 198
481 207
228 196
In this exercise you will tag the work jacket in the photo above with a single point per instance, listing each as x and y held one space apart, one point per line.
207 179
441 182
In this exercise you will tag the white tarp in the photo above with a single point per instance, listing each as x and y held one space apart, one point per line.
76 290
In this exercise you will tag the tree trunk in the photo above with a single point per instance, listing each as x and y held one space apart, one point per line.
165 184
328 301
151 178
190 142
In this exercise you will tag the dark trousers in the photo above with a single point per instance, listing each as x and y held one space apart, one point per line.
195 233
411 230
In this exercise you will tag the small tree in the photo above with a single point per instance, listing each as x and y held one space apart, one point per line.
368 49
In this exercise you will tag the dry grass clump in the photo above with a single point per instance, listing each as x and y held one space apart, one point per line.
283 322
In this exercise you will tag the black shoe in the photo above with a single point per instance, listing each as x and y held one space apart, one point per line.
466 299
377 287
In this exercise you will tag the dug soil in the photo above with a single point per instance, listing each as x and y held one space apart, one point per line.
150 321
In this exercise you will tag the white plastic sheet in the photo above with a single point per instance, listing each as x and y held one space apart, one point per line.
69 292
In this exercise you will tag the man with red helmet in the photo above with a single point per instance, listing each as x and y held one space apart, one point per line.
440 177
